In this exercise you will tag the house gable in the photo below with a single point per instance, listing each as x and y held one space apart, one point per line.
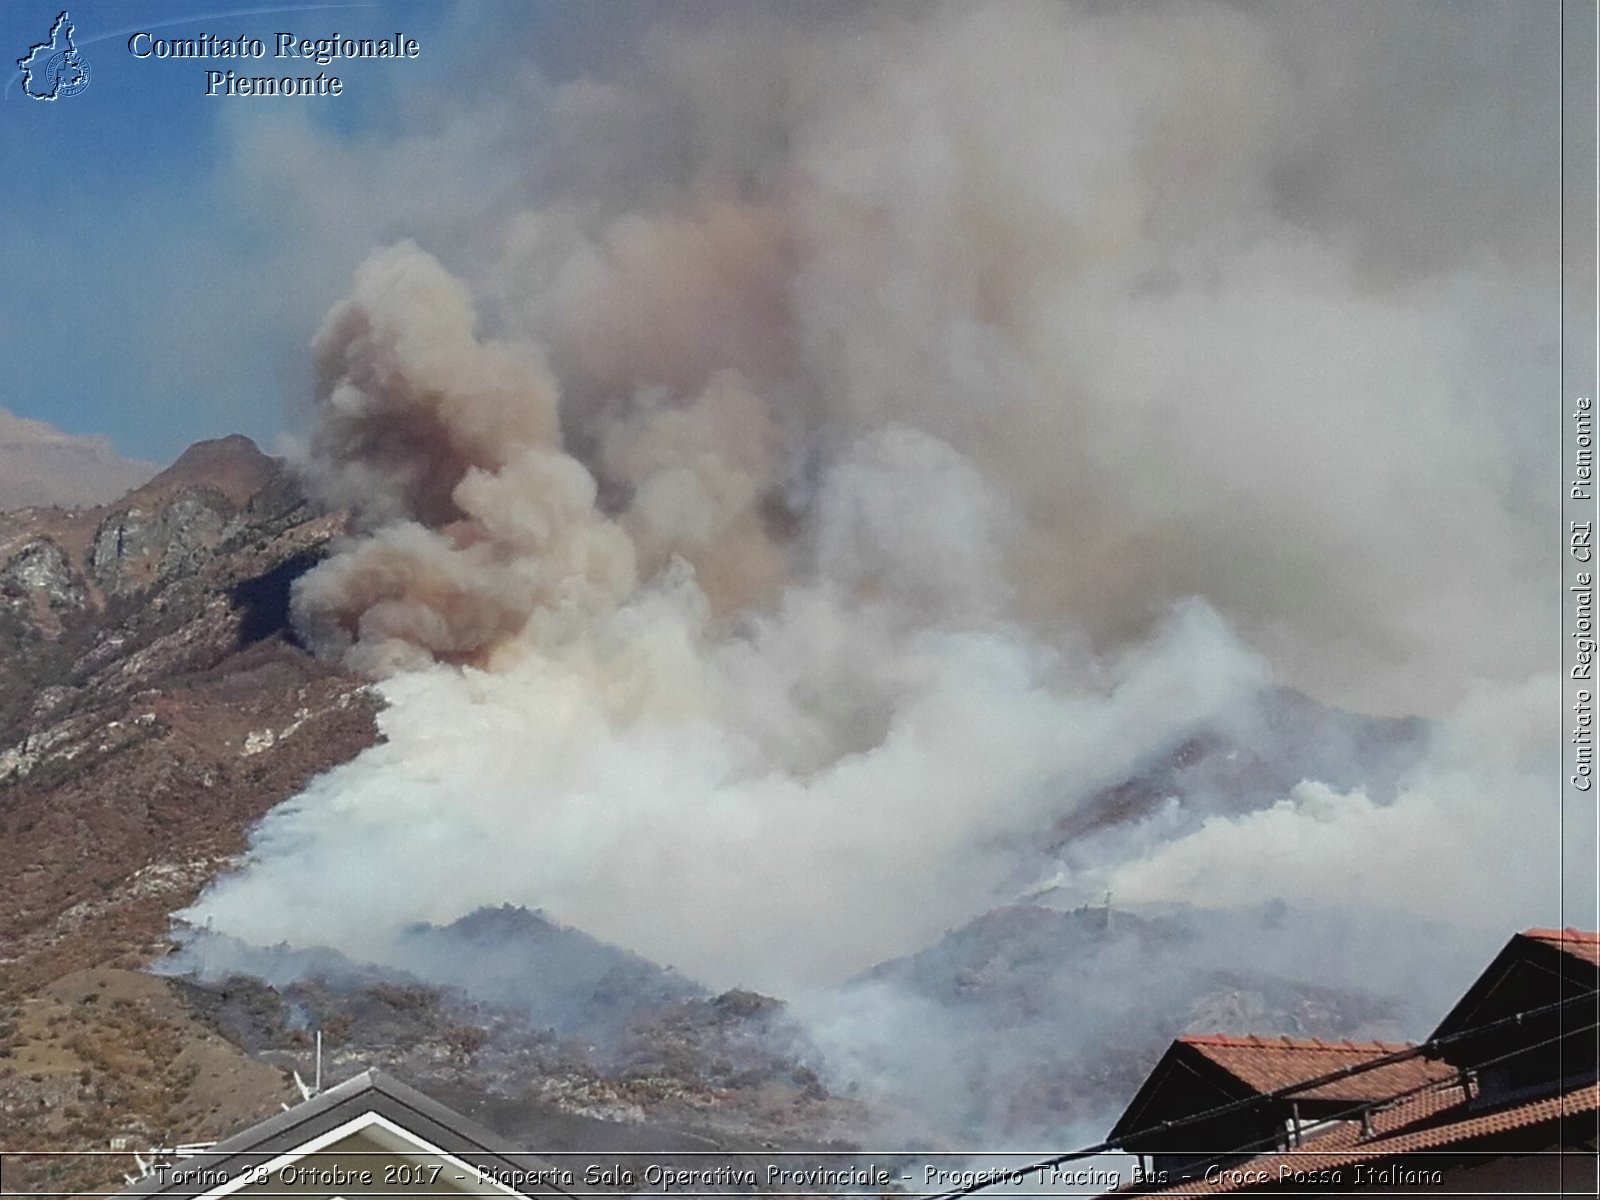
370 1135
1530 1016
1185 1084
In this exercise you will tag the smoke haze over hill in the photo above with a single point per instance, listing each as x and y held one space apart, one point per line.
40 465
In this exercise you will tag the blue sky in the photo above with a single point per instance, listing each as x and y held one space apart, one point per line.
160 291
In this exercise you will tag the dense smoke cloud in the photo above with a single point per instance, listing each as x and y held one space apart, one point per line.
851 441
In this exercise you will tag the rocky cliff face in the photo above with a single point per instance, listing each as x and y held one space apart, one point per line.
170 580
172 524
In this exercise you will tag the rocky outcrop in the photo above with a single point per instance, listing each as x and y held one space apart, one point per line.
42 573
134 546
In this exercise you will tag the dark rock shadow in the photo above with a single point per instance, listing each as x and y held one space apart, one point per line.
263 601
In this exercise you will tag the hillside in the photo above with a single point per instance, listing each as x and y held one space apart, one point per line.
154 703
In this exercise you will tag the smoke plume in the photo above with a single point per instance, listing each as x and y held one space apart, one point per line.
838 444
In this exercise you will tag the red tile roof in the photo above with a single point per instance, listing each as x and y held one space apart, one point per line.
1579 943
1408 1127
1268 1064
1413 1106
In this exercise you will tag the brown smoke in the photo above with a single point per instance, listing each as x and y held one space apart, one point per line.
1047 236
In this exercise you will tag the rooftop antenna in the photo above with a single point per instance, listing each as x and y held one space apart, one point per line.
309 1090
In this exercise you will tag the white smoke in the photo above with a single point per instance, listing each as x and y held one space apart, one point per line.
1476 810
791 805
864 436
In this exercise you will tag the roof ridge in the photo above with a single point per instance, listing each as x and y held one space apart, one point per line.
1254 1041
1569 934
